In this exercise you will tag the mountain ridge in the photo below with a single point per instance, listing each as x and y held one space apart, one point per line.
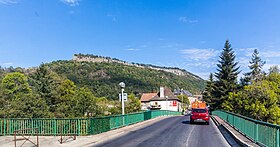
100 59
103 74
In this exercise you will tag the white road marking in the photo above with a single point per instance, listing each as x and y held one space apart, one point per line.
190 134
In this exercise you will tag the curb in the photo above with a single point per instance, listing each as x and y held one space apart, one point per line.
215 121
237 139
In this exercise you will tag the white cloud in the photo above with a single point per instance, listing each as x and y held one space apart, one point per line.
186 20
7 64
271 54
246 51
172 45
244 62
199 54
202 64
71 3
132 49
8 2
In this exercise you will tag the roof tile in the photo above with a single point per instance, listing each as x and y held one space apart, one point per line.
147 97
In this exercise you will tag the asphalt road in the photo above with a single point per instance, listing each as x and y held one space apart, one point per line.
172 132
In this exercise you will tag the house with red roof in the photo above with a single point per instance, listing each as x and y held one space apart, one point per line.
162 100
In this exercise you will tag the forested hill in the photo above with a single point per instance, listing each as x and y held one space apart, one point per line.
103 77
94 58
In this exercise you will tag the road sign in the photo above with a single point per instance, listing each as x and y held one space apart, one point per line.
173 103
124 97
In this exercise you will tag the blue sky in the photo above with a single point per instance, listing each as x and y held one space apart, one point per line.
188 34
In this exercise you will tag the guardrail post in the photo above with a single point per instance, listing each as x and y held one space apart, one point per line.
79 127
233 120
5 123
278 138
126 119
256 132
90 126
123 119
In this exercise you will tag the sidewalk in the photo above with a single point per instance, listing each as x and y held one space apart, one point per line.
81 141
240 138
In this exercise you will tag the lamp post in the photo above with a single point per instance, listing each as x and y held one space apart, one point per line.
181 93
166 97
122 85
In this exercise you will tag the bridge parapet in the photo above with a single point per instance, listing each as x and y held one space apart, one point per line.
263 133
76 126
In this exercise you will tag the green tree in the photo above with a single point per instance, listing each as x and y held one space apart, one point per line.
133 104
19 99
86 104
117 108
28 106
259 100
255 66
226 78
66 101
209 89
102 108
13 84
42 83
185 102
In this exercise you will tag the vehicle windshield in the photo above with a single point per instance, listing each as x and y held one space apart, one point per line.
199 110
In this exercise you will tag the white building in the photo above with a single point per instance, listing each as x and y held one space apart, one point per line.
163 100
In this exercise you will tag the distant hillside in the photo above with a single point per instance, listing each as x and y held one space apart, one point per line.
102 75
100 59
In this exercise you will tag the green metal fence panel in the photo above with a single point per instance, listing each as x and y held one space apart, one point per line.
147 115
45 126
78 126
261 132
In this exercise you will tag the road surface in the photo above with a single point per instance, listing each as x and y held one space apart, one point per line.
171 132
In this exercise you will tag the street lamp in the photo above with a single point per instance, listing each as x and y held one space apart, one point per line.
181 92
122 85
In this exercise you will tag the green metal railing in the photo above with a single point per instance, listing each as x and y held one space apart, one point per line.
261 132
78 126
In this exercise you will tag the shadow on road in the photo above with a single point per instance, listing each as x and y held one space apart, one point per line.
195 123
199 123
186 122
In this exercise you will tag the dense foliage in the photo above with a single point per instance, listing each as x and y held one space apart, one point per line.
103 78
256 96
260 100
